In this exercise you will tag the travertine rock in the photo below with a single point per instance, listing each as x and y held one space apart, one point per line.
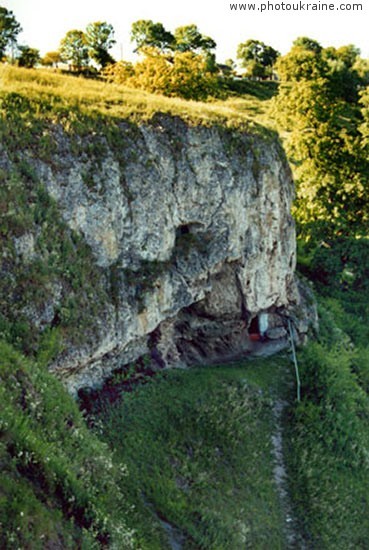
195 225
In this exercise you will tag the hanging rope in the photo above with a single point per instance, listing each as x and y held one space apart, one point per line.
298 383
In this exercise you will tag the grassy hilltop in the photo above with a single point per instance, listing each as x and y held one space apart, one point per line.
99 98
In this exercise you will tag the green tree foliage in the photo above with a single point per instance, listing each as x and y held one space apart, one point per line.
9 30
303 62
346 54
319 108
306 43
146 33
28 57
152 73
99 39
192 76
331 165
257 58
343 270
307 60
361 66
74 49
189 39
342 71
364 127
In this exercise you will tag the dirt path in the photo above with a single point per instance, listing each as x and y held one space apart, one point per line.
293 537
176 538
294 540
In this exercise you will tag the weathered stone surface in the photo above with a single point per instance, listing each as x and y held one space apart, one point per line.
194 225
276 332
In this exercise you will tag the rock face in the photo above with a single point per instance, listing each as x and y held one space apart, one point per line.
191 230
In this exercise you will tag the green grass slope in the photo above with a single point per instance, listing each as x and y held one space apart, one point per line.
328 431
60 486
198 449
98 98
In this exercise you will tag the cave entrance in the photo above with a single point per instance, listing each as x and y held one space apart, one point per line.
183 230
191 228
254 326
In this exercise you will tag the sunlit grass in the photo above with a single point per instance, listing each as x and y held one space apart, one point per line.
119 101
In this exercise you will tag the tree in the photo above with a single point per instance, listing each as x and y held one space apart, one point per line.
231 64
308 44
74 49
347 54
342 71
28 57
303 62
51 59
326 143
9 30
192 77
257 58
146 33
189 39
99 39
361 66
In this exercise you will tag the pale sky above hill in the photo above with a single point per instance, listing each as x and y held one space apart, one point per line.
45 22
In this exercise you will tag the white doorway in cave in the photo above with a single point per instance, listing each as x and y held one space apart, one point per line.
263 323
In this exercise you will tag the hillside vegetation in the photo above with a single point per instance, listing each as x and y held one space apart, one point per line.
52 92
60 486
191 448
198 450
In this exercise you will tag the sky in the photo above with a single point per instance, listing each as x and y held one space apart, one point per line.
45 22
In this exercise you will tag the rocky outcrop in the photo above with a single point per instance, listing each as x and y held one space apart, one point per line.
191 231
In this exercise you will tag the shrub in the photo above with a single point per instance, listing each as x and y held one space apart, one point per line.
182 74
